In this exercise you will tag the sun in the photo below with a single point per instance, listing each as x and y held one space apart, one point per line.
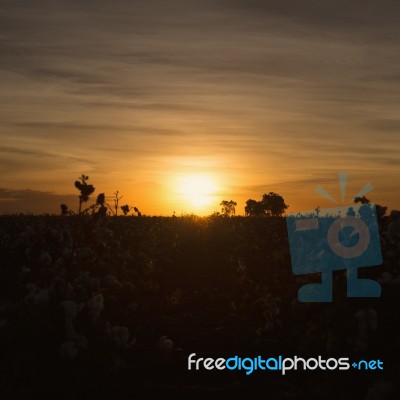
199 190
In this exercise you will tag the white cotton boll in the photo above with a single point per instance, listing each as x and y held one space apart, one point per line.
330 341
269 326
165 344
70 332
70 347
29 297
361 343
103 233
41 297
84 254
82 279
66 253
117 364
94 283
60 262
129 286
372 319
68 350
67 235
45 259
58 287
81 341
25 270
27 235
95 305
70 309
128 257
111 282
57 234
69 290
390 255
36 295
363 328
379 390
133 306
386 277
31 288
367 320
360 314
120 336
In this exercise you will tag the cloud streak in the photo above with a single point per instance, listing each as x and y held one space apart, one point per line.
31 201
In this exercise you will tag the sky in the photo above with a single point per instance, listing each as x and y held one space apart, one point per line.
239 97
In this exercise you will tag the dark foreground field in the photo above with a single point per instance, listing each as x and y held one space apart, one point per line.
112 307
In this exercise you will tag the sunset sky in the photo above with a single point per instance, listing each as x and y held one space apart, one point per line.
241 97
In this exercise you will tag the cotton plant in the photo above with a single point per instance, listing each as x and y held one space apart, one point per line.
95 306
121 338
165 345
387 278
45 259
70 309
379 390
393 231
367 324
85 190
41 297
70 348
73 342
85 281
111 282
28 235
84 255
36 295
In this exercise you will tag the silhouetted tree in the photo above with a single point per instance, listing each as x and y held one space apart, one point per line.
380 210
362 200
228 208
273 204
254 208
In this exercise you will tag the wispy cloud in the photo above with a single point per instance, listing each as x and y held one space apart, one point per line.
33 201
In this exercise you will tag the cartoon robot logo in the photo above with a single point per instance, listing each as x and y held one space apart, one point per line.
339 238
